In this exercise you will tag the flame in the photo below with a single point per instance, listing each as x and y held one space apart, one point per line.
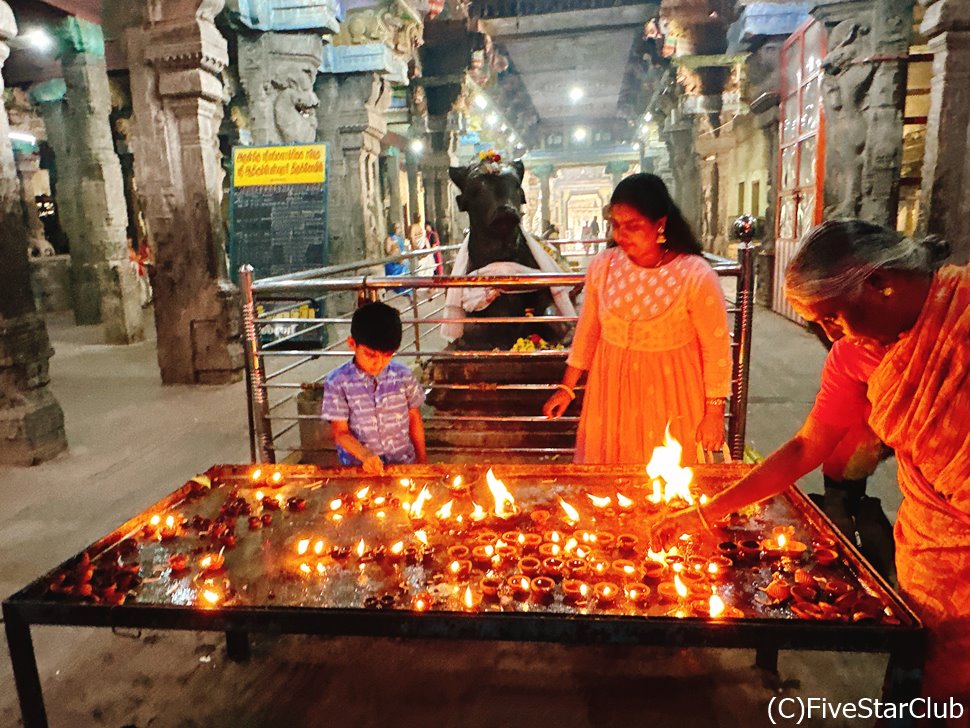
456 483
360 548
469 602
489 550
455 567
554 537
206 562
319 568
381 514
665 463
658 556
405 482
318 548
155 520
679 586
279 499
571 512
570 545
420 604
445 511
421 536
478 513
607 591
677 567
504 502
362 493
170 521
417 510
657 495
623 502
379 500
277 476
583 589
210 596
782 540
717 606
256 473
305 569
302 546
335 504
712 568
599 502
524 583
582 553
629 569
521 539
259 495
397 548
703 499
336 518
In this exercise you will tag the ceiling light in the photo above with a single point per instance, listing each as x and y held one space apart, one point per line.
648 116
636 146
503 127
19 136
481 102
39 38
575 94
491 119
579 134
511 137
416 146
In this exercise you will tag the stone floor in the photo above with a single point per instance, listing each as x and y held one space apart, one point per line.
132 440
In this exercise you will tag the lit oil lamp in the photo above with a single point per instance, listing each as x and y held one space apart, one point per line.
576 591
625 570
552 567
675 591
549 549
504 502
529 565
531 542
302 546
422 602
519 585
599 567
542 588
623 502
607 593
211 563
210 598
572 515
460 568
169 530
470 600
482 556
444 513
599 501
605 539
458 551
276 479
395 551
719 568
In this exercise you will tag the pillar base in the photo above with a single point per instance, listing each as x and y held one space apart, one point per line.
107 293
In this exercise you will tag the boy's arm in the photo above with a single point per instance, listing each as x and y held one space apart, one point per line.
416 431
345 438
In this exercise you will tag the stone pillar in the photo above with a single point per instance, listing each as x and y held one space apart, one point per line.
28 165
175 58
679 137
90 191
31 420
415 202
944 208
618 170
544 172
439 193
864 88
395 198
352 123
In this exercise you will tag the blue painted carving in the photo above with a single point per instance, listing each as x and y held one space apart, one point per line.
760 20
368 57
287 15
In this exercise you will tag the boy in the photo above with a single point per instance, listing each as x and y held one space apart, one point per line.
373 404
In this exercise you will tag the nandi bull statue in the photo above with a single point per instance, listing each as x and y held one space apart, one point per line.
497 245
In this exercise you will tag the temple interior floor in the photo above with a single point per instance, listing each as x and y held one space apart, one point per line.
132 441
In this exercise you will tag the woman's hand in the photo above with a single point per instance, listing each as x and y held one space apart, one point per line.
710 432
665 530
373 465
556 404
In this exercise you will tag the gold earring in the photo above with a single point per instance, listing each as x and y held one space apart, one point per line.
661 238
887 291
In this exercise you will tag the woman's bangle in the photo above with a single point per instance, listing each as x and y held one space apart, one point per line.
714 401
568 390
700 514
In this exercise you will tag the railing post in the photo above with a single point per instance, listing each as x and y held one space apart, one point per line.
744 226
261 437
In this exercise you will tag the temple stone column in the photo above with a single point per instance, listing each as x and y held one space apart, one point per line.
31 420
90 191
175 58
864 89
352 123
28 166
415 183
439 193
394 191
544 172
617 169
945 209
679 136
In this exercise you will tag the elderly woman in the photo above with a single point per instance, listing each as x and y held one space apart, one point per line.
908 321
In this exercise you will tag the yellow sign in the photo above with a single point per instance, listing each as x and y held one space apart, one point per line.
302 165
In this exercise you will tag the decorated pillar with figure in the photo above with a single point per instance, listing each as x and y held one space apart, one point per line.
175 58
90 191
31 420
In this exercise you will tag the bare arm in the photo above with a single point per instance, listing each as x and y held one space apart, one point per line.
416 431
345 438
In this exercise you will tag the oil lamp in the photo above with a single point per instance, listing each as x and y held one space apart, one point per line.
607 593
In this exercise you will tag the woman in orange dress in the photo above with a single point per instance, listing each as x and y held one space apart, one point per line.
888 294
652 334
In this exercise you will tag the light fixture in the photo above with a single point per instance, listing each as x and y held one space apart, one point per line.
519 145
491 119
503 127
416 146
20 136
636 146
580 133
575 94
512 138
481 102
644 130
39 38
648 116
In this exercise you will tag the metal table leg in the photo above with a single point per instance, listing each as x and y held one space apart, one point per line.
766 658
237 646
904 682
24 669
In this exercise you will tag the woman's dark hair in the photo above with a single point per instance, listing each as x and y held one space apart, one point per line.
378 326
648 195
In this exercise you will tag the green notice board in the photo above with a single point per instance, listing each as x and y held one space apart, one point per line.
278 209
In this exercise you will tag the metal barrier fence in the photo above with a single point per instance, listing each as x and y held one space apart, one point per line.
277 371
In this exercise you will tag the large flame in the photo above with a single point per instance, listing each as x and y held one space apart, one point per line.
571 512
679 586
444 512
717 606
504 502
599 502
478 513
302 546
623 502
362 493
361 548
469 601
665 464
417 508
421 536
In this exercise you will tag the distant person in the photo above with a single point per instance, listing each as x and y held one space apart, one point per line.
594 228
373 403
434 242
395 245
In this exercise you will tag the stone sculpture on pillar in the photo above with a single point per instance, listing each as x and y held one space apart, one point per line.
175 58
31 420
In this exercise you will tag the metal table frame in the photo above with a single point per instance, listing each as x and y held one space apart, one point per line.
905 642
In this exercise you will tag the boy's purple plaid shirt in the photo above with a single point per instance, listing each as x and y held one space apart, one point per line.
375 408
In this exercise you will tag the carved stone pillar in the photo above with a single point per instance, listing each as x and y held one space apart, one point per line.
864 87
31 420
415 183
352 123
90 191
439 195
28 165
944 208
617 169
175 58
679 137
395 213
544 172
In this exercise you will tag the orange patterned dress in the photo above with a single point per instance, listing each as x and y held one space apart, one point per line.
655 342
920 396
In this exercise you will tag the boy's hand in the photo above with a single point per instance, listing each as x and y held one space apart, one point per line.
373 464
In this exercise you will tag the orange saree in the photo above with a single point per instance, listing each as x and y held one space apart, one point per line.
920 396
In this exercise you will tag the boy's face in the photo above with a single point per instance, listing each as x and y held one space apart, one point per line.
368 360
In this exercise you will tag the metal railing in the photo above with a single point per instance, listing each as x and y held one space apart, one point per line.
278 371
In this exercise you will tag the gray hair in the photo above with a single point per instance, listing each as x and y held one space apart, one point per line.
834 258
